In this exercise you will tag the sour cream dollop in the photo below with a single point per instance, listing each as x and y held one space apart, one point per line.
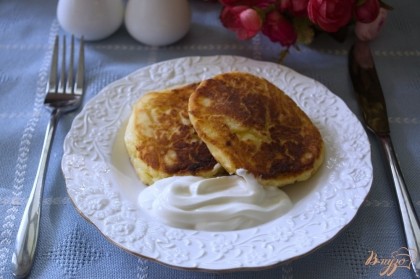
214 204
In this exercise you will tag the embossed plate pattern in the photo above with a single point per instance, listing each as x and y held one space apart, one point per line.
103 187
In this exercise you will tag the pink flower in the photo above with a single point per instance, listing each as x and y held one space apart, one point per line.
278 29
369 31
244 21
295 7
290 21
330 15
368 11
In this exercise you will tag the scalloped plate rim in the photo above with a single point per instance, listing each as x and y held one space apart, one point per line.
206 69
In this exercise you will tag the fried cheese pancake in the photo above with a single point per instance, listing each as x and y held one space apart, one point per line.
247 122
161 141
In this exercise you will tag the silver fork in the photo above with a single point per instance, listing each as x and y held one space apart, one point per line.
64 94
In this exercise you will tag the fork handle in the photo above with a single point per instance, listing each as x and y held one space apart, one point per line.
408 215
27 235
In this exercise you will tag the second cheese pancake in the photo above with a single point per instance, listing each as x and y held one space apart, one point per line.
161 141
247 122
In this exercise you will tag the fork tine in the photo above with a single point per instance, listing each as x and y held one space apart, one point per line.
70 78
80 69
52 83
62 82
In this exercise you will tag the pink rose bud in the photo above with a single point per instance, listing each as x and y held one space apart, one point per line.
330 15
369 31
278 29
244 21
368 11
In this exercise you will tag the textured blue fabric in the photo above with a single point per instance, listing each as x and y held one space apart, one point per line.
70 247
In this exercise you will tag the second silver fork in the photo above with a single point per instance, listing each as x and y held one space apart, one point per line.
64 93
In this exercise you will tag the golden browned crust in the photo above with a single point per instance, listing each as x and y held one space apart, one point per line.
247 122
161 141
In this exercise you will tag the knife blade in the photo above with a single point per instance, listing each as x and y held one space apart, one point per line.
368 88
371 100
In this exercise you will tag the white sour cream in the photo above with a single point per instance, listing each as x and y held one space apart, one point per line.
214 204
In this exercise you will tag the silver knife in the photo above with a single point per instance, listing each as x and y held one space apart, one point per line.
372 103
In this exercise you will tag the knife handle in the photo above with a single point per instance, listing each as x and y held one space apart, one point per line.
408 215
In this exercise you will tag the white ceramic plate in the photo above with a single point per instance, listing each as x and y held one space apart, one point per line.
104 188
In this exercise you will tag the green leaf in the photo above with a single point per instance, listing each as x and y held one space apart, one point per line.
283 55
304 30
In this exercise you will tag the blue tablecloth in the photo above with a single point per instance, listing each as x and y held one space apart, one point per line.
70 247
